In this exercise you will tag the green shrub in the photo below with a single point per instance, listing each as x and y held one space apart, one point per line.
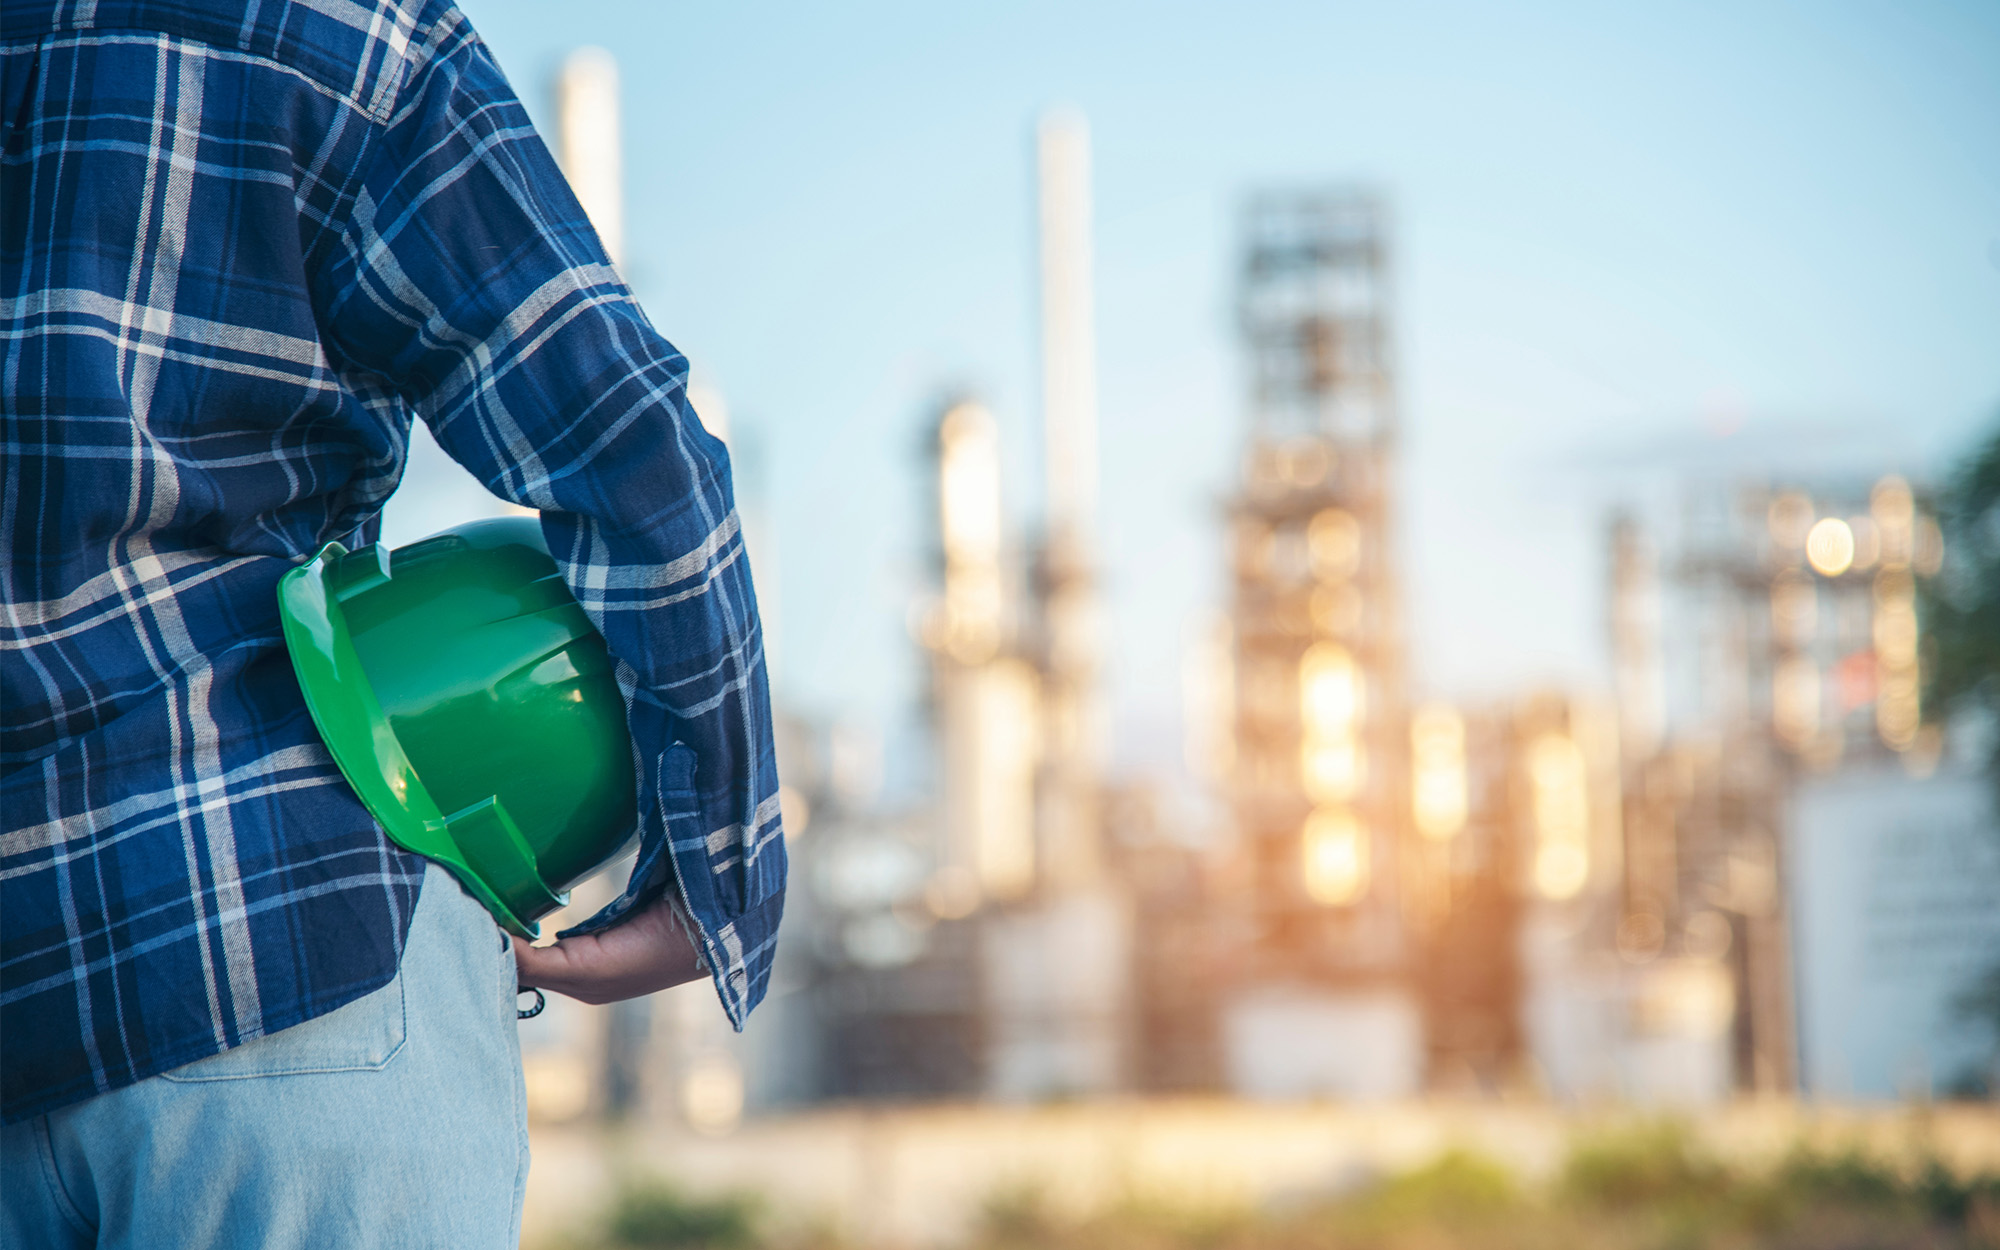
1018 1215
1848 1179
1652 1165
655 1215
1457 1189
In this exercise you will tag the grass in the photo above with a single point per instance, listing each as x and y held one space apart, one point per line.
1647 1188
1652 1187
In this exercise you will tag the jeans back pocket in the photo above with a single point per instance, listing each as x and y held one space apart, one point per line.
361 1036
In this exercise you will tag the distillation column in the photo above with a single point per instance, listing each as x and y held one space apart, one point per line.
1321 770
1070 621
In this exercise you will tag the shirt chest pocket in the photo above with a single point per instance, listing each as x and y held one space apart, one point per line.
363 1036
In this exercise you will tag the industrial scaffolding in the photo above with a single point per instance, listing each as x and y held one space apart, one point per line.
1320 761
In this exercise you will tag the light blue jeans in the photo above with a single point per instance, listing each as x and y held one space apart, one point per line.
396 1121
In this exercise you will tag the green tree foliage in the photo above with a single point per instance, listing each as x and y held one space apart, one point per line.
1962 610
1962 605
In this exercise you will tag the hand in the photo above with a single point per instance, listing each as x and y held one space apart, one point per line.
645 952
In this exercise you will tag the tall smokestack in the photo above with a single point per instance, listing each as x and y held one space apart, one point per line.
1055 967
1070 857
588 143
1069 341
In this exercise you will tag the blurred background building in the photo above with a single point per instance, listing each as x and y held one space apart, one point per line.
1746 863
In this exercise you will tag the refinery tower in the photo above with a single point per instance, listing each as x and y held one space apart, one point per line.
1320 765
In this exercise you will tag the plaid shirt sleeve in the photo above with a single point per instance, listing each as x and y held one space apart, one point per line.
469 282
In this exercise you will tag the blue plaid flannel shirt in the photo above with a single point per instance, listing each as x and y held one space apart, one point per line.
241 245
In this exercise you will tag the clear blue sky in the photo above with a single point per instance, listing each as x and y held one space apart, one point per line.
1619 234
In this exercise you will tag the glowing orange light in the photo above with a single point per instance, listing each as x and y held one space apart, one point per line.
1562 815
1437 758
1330 690
1830 546
1334 853
1331 769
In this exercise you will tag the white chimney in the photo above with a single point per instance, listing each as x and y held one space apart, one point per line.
1069 341
588 143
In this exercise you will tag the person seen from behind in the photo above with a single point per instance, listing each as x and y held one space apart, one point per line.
242 249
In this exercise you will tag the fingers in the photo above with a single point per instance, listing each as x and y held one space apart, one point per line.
541 966
645 954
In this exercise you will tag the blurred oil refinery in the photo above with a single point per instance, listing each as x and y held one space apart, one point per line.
1750 864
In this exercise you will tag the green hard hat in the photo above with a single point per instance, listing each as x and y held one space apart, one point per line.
472 706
